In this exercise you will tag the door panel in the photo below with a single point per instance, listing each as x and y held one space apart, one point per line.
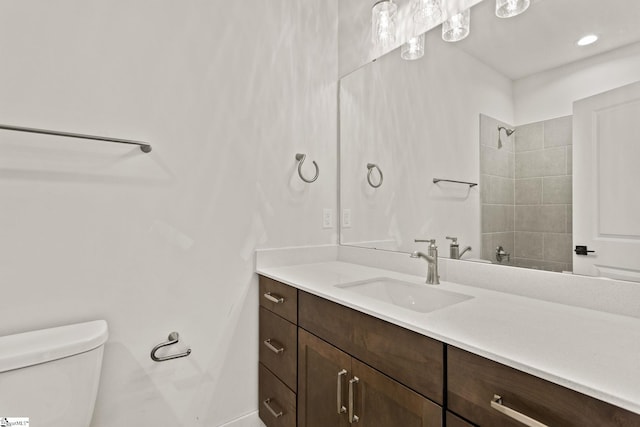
383 402
605 168
319 365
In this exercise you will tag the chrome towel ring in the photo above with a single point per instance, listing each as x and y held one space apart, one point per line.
174 337
371 167
300 158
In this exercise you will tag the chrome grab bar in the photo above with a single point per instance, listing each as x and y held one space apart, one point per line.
173 339
340 406
300 158
276 350
267 404
496 403
371 167
274 298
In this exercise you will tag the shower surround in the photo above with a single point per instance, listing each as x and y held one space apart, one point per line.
525 192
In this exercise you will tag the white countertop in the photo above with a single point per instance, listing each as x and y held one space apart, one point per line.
589 351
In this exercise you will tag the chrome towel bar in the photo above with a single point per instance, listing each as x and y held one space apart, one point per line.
146 148
470 184
174 337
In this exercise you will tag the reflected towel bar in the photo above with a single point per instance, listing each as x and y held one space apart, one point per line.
470 184
146 148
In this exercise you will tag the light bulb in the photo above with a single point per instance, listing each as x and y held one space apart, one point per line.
413 48
510 8
383 26
457 27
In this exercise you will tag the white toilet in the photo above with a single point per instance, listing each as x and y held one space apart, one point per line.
51 376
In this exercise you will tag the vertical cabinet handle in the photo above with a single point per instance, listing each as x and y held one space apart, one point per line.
267 404
275 298
496 403
276 350
341 407
353 418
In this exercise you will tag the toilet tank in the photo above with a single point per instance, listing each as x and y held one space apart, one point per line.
51 376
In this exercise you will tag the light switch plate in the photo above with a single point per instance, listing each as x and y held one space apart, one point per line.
327 218
346 218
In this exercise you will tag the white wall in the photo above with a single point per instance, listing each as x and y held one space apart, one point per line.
227 93
551 94
418 120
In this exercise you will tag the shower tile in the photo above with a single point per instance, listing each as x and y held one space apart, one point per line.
497 218
570 219
557 247
528 191
558 132
549 162
569 160
528 245
496 162
550 218
557 190
529 137
496 190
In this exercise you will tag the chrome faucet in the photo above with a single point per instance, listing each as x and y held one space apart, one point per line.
432 259
454 248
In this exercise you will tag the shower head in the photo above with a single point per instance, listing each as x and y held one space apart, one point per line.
508 131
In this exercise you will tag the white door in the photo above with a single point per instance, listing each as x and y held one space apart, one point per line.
606 183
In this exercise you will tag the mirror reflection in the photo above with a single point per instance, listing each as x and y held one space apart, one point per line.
496 109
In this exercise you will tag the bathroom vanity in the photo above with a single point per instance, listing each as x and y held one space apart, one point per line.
335 352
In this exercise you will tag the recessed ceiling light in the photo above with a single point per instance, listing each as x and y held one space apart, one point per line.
587 40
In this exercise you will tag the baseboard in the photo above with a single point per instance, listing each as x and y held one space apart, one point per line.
249 420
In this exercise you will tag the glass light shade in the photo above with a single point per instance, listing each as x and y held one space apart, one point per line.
427 12
510 8
457 27
383 24
413 49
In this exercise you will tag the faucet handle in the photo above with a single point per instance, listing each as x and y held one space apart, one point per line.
432 241
454 240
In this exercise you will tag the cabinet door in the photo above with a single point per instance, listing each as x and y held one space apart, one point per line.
383 402
323 374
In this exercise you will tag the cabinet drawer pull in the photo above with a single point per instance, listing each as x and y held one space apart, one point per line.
273 348
275 298
267 404
341 407
496 403
353 418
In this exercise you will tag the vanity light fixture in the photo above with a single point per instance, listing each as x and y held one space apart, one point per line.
383 24
511 8
456 28
427 13
413 48
587 40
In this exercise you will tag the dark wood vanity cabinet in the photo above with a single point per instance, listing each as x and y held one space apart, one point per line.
322 363
490 394
278 354
336 389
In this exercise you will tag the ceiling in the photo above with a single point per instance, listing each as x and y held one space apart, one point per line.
545 36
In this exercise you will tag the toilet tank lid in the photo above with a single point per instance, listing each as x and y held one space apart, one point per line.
31 348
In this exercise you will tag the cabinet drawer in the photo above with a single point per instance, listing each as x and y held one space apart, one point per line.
454 421
410 358
279 347
277 402
473 381
279 298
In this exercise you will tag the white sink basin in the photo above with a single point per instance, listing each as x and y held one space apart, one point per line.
421 298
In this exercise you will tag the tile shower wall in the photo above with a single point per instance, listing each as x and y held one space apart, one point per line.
497 196
543 195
